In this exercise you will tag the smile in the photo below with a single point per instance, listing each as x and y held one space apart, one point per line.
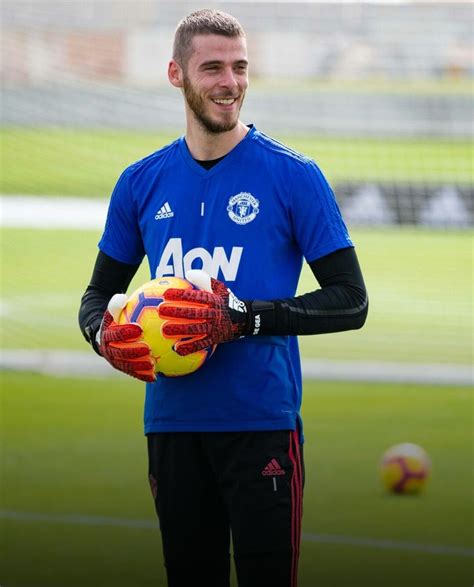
224 101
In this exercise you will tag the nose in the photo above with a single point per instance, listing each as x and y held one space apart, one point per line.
228 79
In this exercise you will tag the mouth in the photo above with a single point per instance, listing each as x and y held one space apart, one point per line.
224 101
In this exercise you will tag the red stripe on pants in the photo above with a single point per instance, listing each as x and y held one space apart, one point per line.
296 503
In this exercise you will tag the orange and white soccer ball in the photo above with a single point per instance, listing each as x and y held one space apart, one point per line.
142 308
405 468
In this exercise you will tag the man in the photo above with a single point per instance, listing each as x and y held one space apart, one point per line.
225 443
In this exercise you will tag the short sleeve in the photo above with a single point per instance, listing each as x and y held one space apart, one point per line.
122 238
317 221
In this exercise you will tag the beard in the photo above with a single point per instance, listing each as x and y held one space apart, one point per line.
197 105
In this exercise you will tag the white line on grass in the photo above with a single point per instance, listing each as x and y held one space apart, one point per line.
65 363
102 521
388 544
47 213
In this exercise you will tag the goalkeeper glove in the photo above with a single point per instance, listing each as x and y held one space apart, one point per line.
213 312
119 344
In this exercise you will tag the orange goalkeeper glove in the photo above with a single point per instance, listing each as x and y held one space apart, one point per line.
213 312
121 346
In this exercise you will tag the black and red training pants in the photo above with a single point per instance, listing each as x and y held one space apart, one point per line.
208 486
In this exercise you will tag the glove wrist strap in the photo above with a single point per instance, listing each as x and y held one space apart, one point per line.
261 315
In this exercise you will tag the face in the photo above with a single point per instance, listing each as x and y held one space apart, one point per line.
214 81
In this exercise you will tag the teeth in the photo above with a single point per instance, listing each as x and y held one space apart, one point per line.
226 101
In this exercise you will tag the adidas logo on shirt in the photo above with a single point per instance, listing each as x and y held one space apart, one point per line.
164 212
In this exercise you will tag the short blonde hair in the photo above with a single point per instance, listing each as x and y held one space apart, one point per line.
203 22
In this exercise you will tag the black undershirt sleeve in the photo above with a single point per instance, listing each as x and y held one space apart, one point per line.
341 303
108 278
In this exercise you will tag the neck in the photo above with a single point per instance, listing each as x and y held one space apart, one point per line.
204 145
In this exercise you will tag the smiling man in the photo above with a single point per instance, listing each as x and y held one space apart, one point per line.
214 81
225 205
212 71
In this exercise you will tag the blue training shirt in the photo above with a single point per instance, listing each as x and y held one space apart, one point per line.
248 221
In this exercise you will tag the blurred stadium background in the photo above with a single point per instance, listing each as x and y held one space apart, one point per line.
380 95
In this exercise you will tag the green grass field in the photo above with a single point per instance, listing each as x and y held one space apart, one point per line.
88 163
75 448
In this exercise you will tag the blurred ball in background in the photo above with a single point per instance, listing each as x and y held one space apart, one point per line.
405 469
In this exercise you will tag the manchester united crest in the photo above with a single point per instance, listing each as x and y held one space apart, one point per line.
243 208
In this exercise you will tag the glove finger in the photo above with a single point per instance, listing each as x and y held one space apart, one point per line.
199 278
192 346
169 310
133 365
204 282
174 294
172 329
219 288
107 320
192 296
143 370
128 350
148 376
121 332
116 304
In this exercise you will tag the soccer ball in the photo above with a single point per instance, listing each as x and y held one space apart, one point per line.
405 468
141 308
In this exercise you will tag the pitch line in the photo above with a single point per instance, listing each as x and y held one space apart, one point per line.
128 523
67 363
388 544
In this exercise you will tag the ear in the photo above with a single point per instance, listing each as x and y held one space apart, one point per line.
175 74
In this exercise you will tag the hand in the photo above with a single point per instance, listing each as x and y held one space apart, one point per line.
119 344
213 314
